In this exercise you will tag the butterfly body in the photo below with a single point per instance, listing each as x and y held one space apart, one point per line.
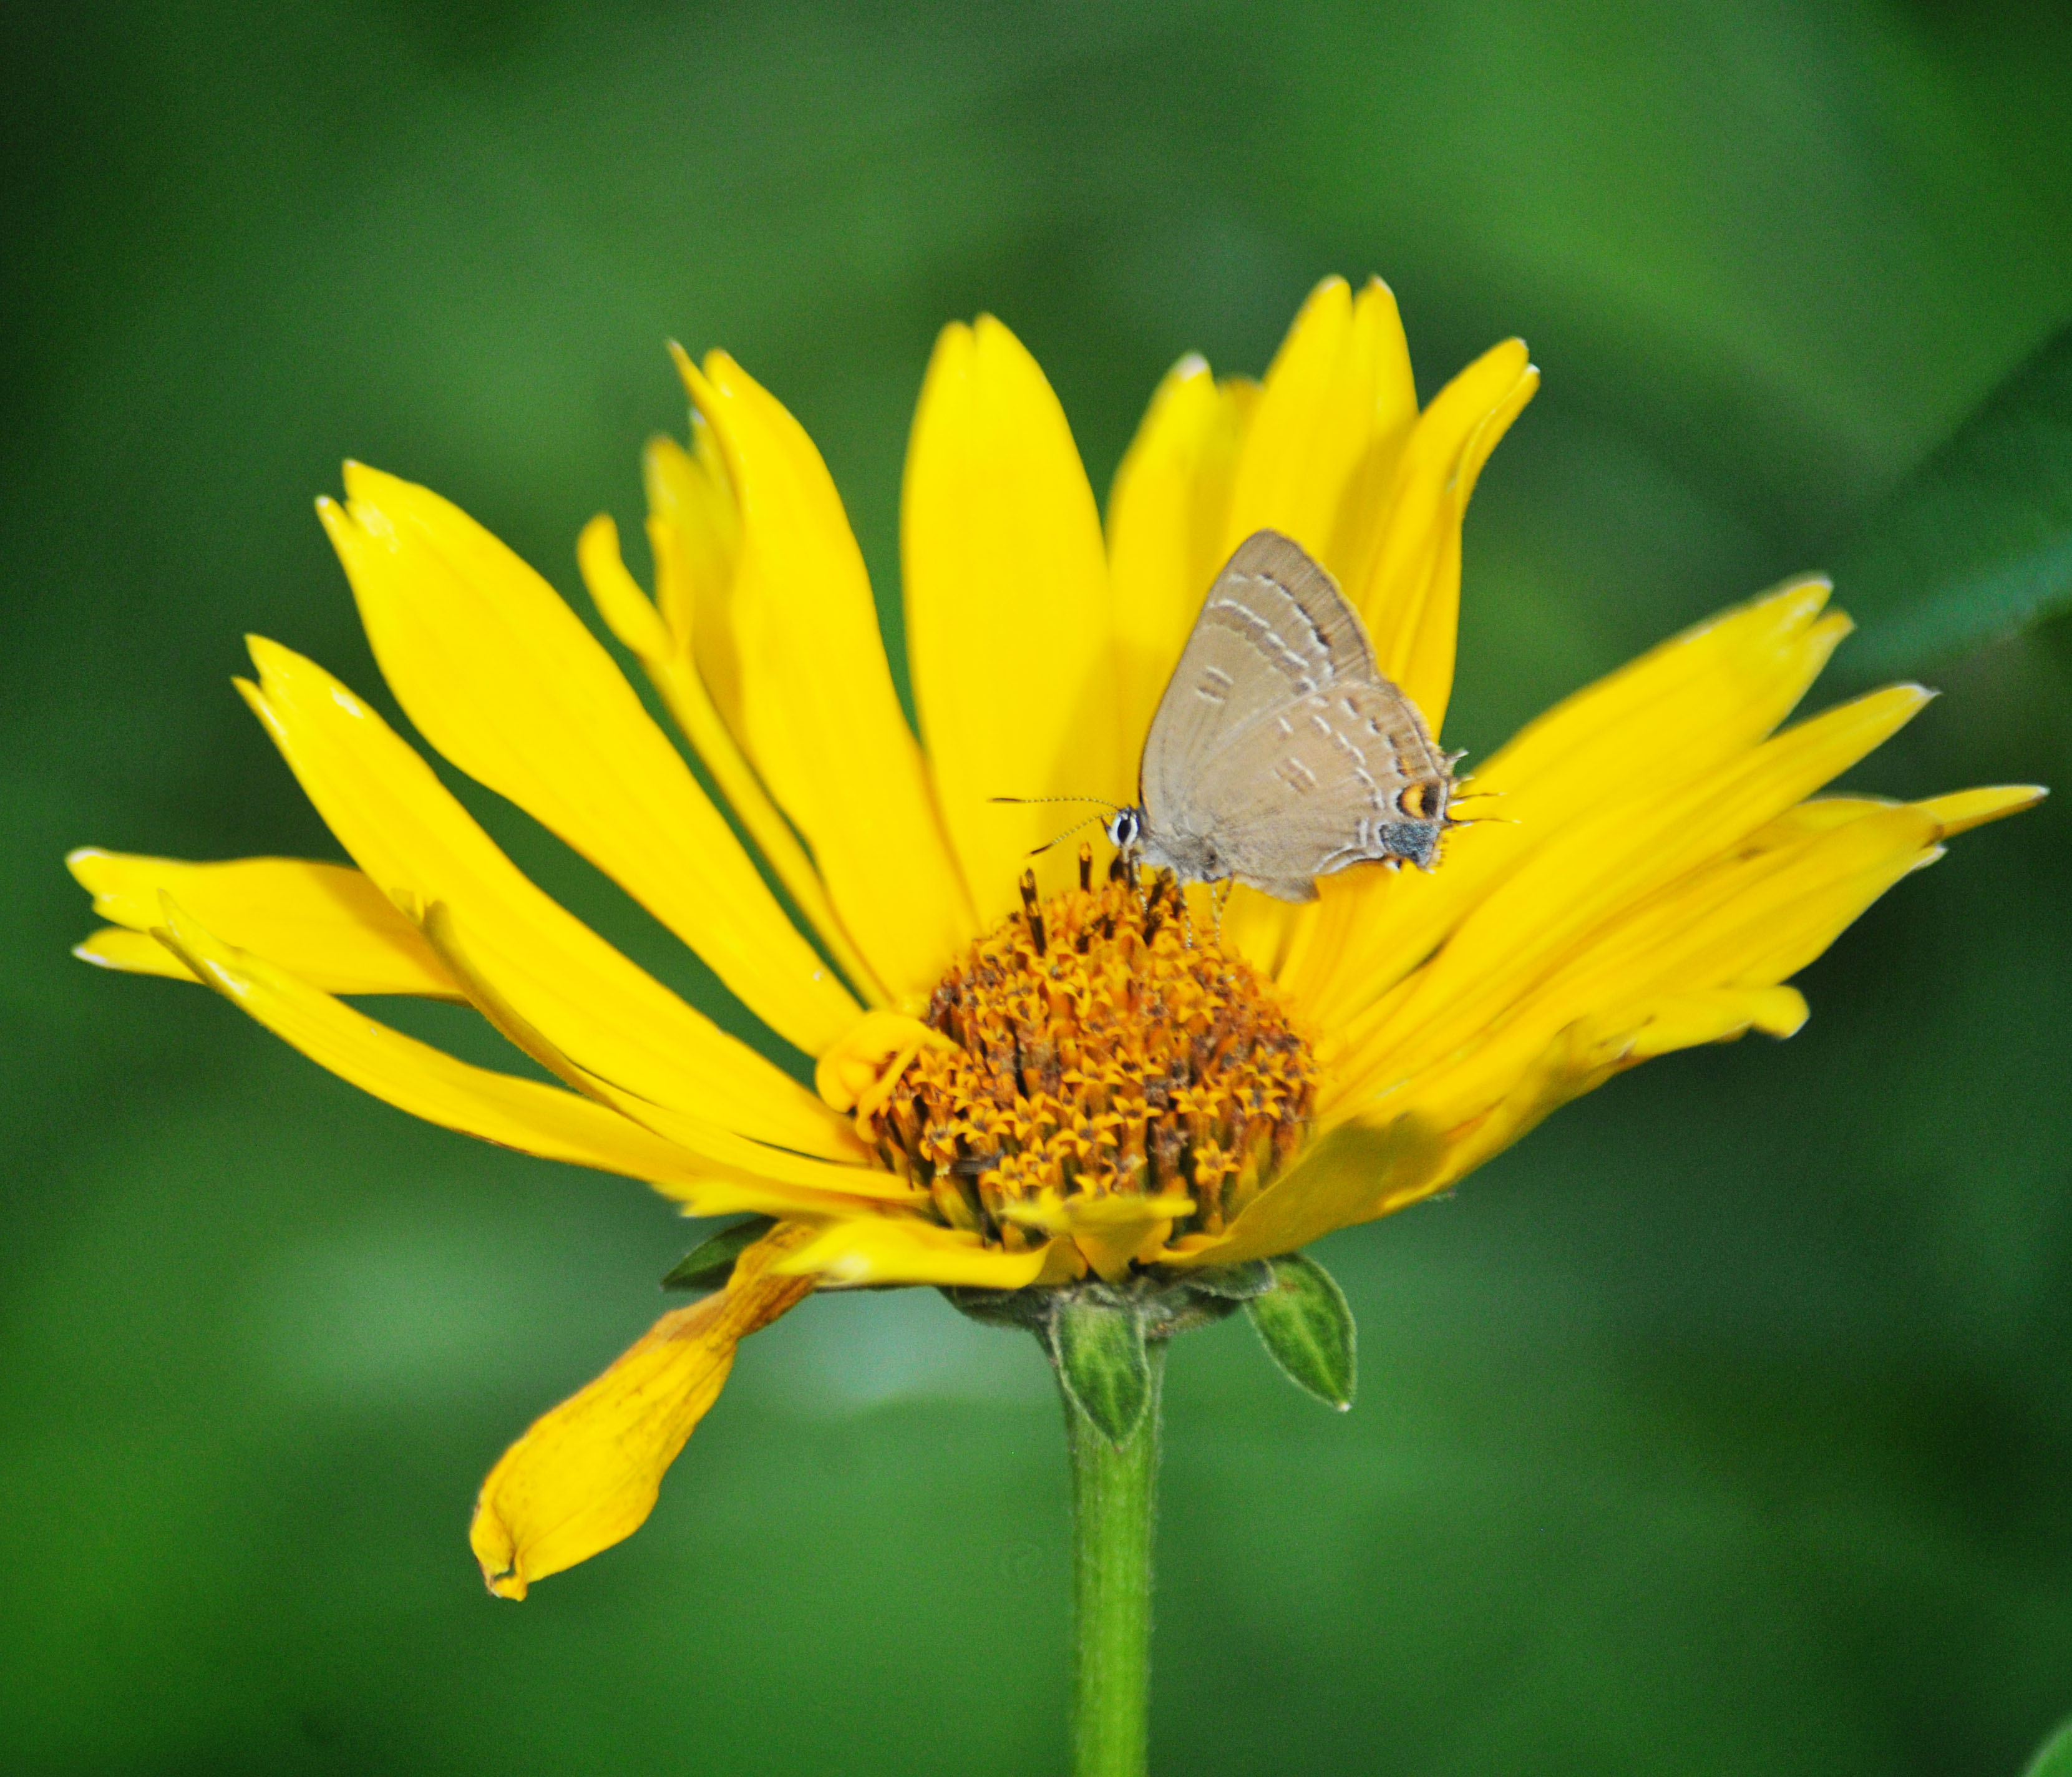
1279 753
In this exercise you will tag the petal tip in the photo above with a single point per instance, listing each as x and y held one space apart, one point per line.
506 1583
693 378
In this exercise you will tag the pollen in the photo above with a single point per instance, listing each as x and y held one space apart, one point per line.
1112 1073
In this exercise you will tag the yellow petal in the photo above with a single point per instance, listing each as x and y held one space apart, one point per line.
1338 404
444 933
1112 1231
1166 517
1340 1180
666 655
1686 707
1748 919
819 717
1091 1213
1409 588
500 1107
695 525
503 678
887 1249
1009 631
1582 1057
405 830
1381 362
1965 809
325 922
1319 450
1595 865
1752 919
131 953
857 1074
585 1476
1689 702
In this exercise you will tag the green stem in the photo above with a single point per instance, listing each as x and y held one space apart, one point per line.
1115 1492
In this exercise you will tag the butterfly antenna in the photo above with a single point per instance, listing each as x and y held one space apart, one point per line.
1078 827
1031 801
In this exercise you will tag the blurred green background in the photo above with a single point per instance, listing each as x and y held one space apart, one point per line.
1723 1427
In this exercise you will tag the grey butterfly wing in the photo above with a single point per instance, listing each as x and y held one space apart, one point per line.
1279 753
1315 786
1274 629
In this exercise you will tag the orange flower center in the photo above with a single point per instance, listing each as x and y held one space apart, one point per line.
1108 1052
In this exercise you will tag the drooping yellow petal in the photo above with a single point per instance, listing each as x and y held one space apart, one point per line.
667 657
503 678
1009 635
585 1476
501 1108
1166 517
405 830
324 923
883 1249
1409 588
819 716
1337 405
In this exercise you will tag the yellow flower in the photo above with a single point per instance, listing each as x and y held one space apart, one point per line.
1019 1080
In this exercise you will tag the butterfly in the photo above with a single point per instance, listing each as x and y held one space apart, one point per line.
1279 753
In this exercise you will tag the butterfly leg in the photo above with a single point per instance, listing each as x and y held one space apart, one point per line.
1220 894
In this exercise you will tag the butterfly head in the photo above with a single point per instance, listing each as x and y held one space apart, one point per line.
1125 827
1420 808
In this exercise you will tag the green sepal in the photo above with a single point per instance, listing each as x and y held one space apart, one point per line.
1307 1329
1234 1282
710 1263
1169 1302
1023 1310
1172 1312
1099 1350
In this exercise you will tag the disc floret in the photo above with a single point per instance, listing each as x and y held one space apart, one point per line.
1112 1070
